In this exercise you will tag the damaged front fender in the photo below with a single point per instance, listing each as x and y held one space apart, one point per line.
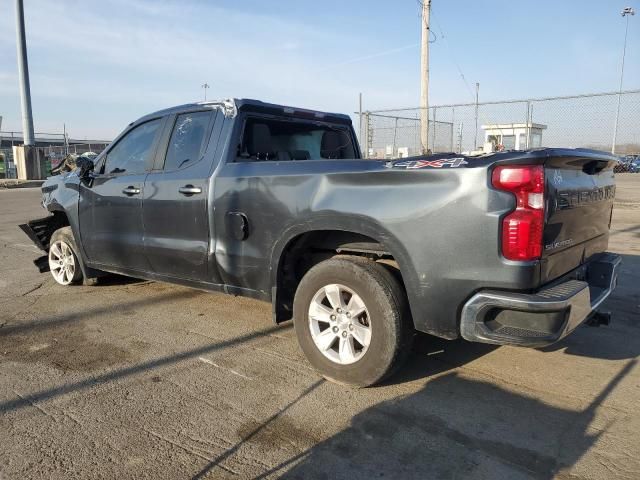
39 232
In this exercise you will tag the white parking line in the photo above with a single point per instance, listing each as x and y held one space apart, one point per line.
206 360
28 246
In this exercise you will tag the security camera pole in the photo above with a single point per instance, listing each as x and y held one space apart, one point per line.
627 12
424 78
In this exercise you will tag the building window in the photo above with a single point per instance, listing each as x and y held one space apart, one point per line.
509 142
536 140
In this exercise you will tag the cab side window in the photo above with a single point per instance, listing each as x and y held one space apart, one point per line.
279 139
130 154
187 142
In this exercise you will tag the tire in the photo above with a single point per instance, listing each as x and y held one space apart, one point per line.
64 261
368 346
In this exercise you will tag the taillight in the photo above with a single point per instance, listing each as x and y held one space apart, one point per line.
522 228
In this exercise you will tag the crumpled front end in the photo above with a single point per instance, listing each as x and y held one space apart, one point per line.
39 232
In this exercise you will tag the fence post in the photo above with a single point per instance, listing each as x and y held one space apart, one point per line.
395 134
367 138
453 123
527 126
475 134
360 136
433 143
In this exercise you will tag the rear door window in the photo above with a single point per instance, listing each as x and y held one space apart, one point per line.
188 140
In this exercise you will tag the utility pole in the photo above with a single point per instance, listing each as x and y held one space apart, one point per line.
66 139
23 76
627 12
205 86
424 78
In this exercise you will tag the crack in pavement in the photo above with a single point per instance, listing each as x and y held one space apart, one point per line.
37 287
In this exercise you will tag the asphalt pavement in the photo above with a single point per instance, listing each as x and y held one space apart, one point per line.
138 379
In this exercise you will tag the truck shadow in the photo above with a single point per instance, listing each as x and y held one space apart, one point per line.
456 427
621 339
432 356
113 279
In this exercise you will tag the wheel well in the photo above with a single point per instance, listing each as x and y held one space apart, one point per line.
311 248
58 221
61 218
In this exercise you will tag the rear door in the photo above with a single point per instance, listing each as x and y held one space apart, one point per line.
175 215
110 207
581 190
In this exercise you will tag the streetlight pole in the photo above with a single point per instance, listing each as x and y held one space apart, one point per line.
205 86
628 11
23 76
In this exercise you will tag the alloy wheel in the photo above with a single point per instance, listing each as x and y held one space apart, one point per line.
62 262
339 324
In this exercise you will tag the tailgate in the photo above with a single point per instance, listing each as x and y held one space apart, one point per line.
580 192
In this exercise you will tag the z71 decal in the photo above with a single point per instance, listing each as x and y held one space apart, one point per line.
415 164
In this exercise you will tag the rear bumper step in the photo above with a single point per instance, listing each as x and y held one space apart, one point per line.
544 317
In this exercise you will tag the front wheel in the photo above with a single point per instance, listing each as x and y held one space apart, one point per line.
63 260
352 321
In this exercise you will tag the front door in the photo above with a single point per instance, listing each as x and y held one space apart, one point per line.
175 215
110 207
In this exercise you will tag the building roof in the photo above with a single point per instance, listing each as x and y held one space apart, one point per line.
43 139
505 126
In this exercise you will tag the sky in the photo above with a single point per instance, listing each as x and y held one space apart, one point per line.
98 65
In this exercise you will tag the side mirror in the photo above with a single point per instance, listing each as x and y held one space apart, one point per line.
85 165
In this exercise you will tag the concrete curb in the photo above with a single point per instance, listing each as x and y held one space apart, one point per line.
12 183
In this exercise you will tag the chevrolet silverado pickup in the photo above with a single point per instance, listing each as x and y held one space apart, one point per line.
277 203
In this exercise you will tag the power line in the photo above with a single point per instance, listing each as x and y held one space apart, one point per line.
474 94
452 56
372 55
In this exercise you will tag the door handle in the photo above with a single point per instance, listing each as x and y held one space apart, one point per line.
130 190
189 190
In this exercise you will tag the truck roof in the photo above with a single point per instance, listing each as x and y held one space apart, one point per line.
258 106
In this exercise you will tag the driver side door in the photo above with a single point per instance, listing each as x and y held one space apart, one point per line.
110 207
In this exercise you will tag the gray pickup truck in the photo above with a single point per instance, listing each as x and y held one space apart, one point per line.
276 203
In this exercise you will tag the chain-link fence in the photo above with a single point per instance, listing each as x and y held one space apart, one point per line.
56 153
50 155
580 121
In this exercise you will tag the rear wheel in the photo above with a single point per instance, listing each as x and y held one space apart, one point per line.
351 319
63 260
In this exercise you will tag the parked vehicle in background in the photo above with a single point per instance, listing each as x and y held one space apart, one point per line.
276 203
628 163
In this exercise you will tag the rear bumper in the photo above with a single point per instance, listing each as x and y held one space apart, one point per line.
544 317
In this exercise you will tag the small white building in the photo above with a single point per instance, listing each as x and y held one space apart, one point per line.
514 136
389 152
